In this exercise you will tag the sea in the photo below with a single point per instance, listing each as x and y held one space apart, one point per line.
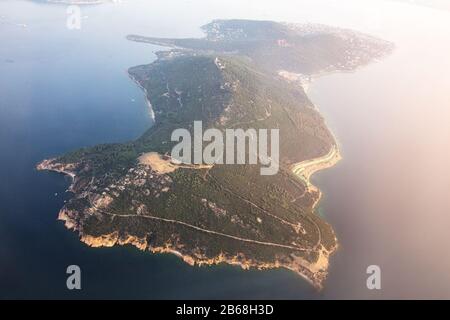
388 199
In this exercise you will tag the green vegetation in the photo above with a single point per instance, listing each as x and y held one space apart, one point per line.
227 80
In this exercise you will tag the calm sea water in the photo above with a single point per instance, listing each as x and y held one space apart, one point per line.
62 89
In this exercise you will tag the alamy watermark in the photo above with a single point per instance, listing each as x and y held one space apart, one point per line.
238 146
73 281
73 17
374 280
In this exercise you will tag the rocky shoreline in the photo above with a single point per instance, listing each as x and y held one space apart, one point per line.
314 273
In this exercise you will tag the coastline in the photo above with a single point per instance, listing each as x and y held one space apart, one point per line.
147 100
312 273
305 169
46 165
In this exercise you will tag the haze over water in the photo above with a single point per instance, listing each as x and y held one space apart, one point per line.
387 200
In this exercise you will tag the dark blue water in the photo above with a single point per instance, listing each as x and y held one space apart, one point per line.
61 90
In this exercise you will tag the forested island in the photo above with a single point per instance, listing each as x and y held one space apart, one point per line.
242 74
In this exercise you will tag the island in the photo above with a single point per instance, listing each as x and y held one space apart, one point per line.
242 74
